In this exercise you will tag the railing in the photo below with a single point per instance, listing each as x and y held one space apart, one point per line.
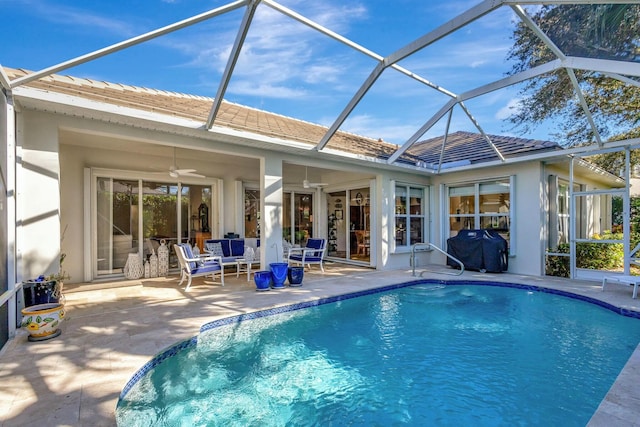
432 246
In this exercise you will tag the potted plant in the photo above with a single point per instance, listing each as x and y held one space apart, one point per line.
44 305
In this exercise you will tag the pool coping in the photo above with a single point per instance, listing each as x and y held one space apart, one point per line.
602 416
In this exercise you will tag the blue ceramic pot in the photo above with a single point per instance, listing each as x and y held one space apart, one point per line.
39 292
295 275
262 280
278 274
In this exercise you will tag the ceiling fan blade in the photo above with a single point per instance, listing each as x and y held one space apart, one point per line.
184 171
194 175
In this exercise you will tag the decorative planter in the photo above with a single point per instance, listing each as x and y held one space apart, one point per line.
262 280
163 259
295 275
278 274
41 291
153 264
43 320
133 269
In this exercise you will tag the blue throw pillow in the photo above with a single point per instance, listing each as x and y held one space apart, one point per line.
315 243
237 247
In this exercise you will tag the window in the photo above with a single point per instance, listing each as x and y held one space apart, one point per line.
251 212
410 219
483 205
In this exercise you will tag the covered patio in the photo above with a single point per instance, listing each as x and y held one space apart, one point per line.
68 141
109 333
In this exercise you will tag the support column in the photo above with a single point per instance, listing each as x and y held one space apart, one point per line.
270 210
8 210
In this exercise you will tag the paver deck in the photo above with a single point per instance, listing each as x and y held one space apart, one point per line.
112 329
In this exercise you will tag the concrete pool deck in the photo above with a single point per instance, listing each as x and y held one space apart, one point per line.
113 328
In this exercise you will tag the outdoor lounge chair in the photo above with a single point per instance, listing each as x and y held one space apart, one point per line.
191 266
623 280
312 253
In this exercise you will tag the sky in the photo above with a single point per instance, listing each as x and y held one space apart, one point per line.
284 67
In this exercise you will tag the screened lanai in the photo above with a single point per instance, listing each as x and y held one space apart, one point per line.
411 94
433 99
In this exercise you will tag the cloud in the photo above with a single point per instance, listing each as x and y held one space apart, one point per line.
390 130
268 90
77 17
280 56
512 107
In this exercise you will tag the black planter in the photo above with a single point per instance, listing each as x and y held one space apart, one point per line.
39 292
295 275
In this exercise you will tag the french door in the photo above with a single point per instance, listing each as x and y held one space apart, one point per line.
349 224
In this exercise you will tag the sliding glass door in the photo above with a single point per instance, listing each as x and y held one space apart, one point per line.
116 223
135 216
160 218
297 218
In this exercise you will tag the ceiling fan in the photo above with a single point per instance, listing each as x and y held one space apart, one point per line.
175 172
307 184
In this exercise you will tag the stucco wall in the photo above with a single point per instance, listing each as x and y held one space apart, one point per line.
40 233
38 216
527 206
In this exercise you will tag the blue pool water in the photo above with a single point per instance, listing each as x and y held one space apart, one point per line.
417 355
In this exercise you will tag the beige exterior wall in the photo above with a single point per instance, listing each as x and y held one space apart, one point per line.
527 212
52 188
58 184
38 197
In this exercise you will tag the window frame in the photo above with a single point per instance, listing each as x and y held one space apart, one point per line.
475 215
423 214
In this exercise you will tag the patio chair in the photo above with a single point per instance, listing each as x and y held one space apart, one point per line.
626 280
623 280
312 253
191 266
363 242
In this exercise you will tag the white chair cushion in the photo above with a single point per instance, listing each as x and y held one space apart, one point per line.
215 249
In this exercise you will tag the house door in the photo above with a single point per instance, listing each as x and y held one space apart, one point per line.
135 216
349 225
297 217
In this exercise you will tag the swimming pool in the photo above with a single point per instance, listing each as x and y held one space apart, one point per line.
414 354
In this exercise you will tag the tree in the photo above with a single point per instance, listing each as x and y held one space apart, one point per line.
609 31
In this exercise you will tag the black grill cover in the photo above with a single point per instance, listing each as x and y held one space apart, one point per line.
481 250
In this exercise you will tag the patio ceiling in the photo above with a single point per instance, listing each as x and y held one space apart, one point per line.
626 71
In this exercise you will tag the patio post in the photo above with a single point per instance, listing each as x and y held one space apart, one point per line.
8 210
271 210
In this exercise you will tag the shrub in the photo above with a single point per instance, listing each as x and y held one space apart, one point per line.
593 256
558 266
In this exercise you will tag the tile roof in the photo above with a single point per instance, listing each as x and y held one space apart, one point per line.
461 146
197 108
474 148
